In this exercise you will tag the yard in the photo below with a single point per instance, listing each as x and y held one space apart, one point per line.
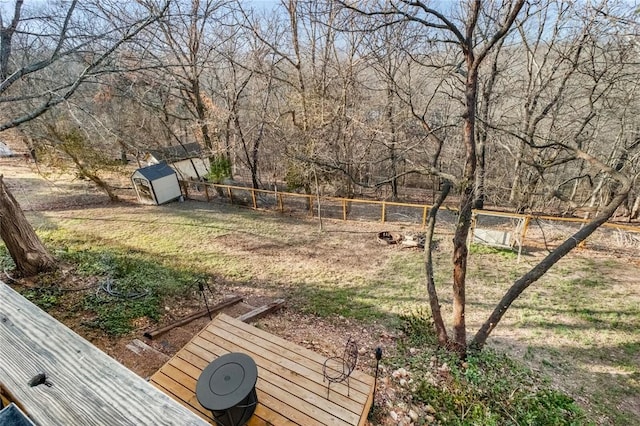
578 326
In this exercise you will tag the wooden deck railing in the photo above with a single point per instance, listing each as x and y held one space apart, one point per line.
84 385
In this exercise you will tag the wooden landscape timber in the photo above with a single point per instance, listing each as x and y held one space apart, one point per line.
81 385
212 310
261 311
252 315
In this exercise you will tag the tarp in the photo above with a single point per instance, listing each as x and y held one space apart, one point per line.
5 151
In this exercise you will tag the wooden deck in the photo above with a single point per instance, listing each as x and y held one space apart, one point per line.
87 386
290 384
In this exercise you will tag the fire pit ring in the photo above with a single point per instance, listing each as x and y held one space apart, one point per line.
227 387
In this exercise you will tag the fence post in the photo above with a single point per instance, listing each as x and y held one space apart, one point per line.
525 227
206 191
344 209
280 203
185 187
384 211
253 197
230 194
424 216
472 229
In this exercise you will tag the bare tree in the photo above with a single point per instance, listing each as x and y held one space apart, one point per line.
185 47
99 30
78 38
6 35
473 53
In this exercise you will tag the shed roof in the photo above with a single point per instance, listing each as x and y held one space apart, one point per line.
177 152
156 171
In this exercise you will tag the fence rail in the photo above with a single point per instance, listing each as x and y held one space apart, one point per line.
547 229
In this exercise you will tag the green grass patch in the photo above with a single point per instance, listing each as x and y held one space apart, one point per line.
131 286
128 286
396 290
481 249
46 298
487 389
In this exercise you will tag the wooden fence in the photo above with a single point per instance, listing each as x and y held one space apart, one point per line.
375 210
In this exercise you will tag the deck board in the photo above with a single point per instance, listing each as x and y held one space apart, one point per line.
88 386
290 385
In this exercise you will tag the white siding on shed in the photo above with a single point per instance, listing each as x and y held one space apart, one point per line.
192 168
166 189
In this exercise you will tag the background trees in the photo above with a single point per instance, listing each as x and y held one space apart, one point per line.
522 106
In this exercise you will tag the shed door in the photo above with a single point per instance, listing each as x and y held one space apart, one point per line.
144 188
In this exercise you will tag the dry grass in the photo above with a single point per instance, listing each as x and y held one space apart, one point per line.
579 324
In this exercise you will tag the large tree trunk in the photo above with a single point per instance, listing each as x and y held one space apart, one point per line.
460 251
23 244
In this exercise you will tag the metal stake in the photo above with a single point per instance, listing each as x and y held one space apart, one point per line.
204 296
375 383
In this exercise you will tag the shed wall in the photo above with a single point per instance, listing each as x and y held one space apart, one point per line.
166 189
192 168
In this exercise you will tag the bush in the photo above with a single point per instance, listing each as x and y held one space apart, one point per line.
219 169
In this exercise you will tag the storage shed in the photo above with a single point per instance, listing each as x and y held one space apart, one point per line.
187 160
156 184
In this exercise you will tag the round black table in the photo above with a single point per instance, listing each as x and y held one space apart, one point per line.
227 387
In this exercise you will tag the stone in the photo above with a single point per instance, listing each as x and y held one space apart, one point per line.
414 416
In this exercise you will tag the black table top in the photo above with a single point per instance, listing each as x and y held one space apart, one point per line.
226 381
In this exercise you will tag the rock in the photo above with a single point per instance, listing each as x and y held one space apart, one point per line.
414 416
429 409
430 419
393 415
400 372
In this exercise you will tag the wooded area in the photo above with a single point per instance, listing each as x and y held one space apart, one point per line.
289 90
528 106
